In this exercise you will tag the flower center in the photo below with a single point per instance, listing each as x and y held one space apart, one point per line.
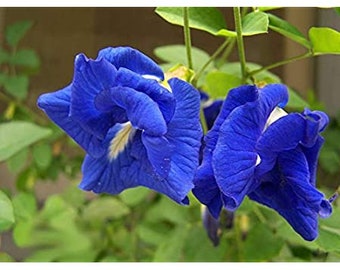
120 141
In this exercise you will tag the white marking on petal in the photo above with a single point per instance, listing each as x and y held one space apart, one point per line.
207 103
275 115
258 160
162 83
120 141
151 77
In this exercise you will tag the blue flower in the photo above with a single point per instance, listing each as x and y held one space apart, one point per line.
134 131
211 109
256 149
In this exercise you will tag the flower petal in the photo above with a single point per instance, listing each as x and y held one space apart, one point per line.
57 105
312 155
211 112
142 111
287 190
236 97
184 133
162 96
107 175
234 174
283 134
235 158
159 152
90 78
287 133
132 59
206 189
132 167
316 122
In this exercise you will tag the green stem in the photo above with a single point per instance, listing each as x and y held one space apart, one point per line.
281 63
187 38
227 52
212 58
240 45
203 121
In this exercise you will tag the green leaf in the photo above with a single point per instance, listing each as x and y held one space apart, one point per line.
18 161
25 57
208 19
67 244
134 196
197 237
26 179
57 212
22 233
6 212
333 257
233 68
332 138
286 255
263 76
211 20
104 208
286 232
329 239
4 257
17 86
171 250
217 83
25 206
176 54
151 233
329 232
261 244
267 8
324 40
54 233
16 135
329 159
109 258
73 196
42 155
167 210
15 32
337 10
286 29
253 23
4 56
3 78
296 101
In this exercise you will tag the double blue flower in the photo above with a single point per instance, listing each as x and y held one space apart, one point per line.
255 149
137 132
134 130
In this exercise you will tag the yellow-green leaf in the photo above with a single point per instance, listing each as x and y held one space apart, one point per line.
324 40
16 135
